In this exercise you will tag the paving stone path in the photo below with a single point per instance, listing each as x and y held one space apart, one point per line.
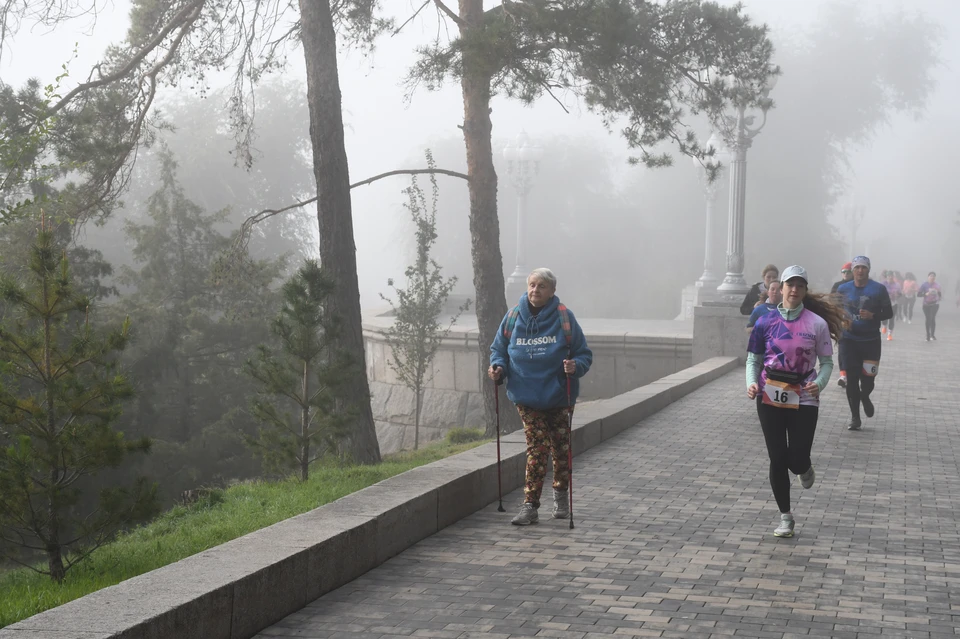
674 522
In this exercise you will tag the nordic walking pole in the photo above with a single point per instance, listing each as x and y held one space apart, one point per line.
496 395
570 449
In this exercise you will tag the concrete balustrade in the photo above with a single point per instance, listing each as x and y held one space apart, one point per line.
626 354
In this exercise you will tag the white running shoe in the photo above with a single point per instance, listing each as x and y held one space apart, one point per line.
561 504
785 529
527 515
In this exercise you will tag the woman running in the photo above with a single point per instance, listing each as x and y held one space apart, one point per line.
894 290
931 293
910 288
781 375
770 303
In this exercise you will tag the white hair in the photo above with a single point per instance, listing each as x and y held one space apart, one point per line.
544 274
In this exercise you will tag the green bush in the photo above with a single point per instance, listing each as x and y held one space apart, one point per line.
464 435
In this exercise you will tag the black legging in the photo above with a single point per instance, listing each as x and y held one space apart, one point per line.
789 437
853 353
908 311
930 313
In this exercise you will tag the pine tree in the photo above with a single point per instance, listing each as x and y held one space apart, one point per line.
415 334
309 375
60 393
198 319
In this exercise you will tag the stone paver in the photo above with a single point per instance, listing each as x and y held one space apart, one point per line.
673 536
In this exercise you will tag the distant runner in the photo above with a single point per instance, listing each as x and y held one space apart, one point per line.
910 288
782 376
867 303
846 274
773 300
931 293
769 274
894 290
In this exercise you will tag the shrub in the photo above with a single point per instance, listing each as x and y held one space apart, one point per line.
464 435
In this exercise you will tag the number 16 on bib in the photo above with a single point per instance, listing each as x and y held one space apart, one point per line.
781 395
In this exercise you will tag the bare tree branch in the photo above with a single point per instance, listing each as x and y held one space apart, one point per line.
184 19
453 16
256 218
411 18
410 172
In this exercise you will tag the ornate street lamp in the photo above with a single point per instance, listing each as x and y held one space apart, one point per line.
523 165
708 281
738 133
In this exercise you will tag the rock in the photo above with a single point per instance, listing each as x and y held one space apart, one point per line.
474 416
443 408
380 399
390 436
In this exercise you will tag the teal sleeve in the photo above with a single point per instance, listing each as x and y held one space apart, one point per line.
754 364
826 369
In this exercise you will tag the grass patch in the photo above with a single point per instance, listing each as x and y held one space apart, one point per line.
464 435
186 530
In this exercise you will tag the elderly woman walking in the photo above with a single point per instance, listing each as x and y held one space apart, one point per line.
541 352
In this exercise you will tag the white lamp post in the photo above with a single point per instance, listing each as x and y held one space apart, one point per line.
708 281
523 165
738 133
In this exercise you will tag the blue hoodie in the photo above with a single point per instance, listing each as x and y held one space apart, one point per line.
533 360
873 297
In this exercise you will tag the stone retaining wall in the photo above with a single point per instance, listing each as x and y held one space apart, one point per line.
624 357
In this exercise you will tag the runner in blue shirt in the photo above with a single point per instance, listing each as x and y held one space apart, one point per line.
773 300
868 303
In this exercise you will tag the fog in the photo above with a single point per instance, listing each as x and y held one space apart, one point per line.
865 122
852 127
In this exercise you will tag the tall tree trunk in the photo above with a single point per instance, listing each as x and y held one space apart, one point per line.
484 223
305 424
55 552
338 252
416 418
53 547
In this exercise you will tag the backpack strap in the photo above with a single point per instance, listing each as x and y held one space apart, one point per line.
565 323
512 316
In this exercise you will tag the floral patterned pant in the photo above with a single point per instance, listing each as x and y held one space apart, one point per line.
546 432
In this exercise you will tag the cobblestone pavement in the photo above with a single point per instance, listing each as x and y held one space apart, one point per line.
674 522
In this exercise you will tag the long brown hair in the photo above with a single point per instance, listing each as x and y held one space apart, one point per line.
830 309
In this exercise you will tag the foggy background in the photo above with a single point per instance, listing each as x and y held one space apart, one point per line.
854 126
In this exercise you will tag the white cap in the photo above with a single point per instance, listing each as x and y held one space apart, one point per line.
794 271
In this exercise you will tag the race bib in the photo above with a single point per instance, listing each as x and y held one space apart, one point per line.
871 367
781 395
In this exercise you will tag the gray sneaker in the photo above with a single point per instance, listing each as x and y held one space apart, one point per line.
527 515
785 529
807 478
561 504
